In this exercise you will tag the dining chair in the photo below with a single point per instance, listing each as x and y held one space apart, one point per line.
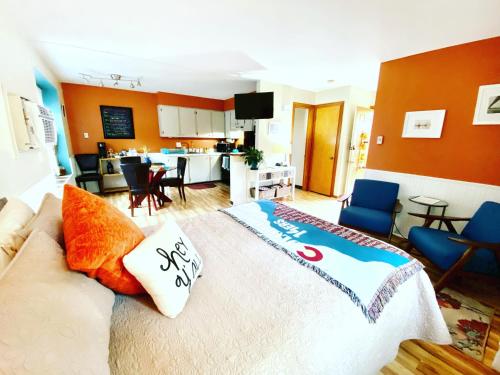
130 160
371 207
475 249
137 177
178 181
89 168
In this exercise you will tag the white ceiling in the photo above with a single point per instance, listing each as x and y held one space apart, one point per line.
216 48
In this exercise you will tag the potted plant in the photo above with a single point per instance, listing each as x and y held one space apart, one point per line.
253 157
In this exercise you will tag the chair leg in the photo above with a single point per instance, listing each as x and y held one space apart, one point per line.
131 199
149 204
451 273
78 184
154 203
180 192
101 187
183 193
85 186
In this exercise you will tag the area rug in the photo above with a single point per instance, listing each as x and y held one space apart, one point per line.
468 322
201 186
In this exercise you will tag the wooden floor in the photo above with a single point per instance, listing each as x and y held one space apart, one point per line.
414 356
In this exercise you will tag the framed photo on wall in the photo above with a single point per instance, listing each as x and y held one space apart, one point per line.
487 105
423 124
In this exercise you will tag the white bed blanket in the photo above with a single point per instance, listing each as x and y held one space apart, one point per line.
256 311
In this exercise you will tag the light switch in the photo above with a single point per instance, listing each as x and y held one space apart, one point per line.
86 135
380 139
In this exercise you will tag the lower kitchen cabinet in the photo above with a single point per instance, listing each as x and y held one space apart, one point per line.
215 167
199 169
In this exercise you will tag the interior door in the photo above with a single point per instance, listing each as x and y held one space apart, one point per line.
324 148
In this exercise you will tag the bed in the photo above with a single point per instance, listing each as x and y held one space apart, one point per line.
256 311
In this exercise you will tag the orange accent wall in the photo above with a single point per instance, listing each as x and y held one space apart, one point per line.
190 101
229 104
83 114
447 79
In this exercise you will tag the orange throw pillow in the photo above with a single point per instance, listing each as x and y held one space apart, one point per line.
97 236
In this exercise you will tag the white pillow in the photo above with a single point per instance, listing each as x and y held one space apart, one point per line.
167 265
13 217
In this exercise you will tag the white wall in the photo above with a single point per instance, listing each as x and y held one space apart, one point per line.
352 97
464 198
284 96
19 171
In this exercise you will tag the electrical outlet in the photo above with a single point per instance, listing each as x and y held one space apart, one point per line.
86 135
380 139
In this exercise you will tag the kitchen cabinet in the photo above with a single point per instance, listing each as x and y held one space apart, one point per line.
215 167
249 125
203 123
168 118
234 123
228 119
199 168
187 122
218 130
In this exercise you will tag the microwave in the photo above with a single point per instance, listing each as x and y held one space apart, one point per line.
224 147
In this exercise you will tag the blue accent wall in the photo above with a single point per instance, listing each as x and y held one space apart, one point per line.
50 98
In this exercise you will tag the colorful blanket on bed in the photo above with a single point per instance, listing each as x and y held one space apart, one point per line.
366 269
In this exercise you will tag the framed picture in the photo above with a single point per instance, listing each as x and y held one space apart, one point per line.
487 105
423 124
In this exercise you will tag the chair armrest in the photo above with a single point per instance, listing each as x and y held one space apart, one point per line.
439 217
398 207
344 197
478 245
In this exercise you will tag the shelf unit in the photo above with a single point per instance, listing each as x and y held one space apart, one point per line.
269 176
113 182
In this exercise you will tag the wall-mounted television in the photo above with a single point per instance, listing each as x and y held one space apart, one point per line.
257 105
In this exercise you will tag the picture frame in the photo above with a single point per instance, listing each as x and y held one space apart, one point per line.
424 124
487 110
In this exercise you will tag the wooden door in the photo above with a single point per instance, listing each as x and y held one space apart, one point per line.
325 141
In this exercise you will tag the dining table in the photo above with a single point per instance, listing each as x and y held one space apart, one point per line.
156 172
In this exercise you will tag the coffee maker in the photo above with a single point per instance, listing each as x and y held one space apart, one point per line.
101 149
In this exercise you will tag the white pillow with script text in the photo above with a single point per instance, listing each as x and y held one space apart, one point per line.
167 265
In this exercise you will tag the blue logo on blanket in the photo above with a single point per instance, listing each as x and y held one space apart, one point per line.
308 233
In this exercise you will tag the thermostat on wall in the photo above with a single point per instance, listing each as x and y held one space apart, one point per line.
380 139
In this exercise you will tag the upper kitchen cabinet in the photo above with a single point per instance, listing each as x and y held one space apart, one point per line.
228 122
168 118
203 123
234 123
187 121
218 130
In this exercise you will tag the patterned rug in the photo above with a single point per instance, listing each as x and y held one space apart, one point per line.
468 322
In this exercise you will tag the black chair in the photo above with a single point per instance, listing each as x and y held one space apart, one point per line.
89 166
130 160
137 177
178 181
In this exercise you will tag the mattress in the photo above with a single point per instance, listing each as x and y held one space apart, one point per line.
256 311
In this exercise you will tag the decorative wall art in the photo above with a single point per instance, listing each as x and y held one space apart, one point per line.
423 124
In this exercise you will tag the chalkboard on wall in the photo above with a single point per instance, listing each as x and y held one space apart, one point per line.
117 122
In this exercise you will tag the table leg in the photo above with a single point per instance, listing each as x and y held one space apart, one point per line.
442 215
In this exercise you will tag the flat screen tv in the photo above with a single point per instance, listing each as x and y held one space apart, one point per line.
254 106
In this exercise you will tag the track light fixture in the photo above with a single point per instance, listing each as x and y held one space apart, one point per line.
114 78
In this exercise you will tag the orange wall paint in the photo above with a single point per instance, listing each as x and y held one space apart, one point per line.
229 104
190 101
83 114
447 79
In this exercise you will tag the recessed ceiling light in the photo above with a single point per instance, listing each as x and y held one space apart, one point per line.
330 81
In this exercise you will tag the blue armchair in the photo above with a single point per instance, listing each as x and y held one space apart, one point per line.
372 208
476 249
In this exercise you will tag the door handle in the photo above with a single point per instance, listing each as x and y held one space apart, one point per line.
331 157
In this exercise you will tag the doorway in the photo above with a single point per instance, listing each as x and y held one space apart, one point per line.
358 149
315 142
